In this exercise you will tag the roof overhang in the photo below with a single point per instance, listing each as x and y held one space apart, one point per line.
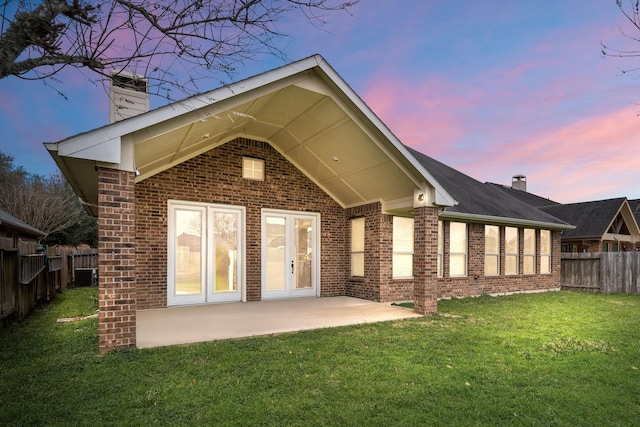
304 110
497 220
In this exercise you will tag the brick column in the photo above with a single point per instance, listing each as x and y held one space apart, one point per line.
116 259
425 253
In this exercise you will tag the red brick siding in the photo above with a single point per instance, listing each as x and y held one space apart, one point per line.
216 177
116 259
425 252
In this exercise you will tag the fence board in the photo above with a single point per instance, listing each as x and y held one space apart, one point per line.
606 272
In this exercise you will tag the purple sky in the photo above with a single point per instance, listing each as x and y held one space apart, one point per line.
492 88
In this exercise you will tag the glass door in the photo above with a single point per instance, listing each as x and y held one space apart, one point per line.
205 250
290 253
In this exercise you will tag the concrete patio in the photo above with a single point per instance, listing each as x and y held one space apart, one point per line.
184 325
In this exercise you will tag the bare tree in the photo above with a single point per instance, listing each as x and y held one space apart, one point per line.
631 11
47 204
173 43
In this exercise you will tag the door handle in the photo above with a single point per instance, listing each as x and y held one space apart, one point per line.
291 266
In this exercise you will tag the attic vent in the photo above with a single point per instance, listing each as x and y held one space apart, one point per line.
128 95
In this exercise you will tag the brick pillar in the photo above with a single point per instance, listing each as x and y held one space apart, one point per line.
116 259
425 253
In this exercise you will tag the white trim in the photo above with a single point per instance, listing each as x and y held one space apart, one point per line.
498 220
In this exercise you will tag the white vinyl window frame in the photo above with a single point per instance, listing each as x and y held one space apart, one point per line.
458 248
253 169
529 251
440 269
402 259
511 251
545 252
491 250
357 247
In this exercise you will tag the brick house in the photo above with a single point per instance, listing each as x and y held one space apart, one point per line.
287 185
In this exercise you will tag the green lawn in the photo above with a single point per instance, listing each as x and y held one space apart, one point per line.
562 359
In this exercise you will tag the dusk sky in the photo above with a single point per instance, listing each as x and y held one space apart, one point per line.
492 88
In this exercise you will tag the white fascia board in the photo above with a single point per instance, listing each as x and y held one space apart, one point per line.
443 198
105 151
498 220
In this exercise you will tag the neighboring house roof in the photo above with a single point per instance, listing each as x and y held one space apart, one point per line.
635 208
593 219
484 202
525 196
10 221
304 110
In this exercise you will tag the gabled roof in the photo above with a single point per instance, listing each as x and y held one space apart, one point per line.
484 202
10 221
593 219
524 196
304 110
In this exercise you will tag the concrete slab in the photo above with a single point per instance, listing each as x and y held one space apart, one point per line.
183 325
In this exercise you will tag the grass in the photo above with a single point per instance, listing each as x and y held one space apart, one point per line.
562 359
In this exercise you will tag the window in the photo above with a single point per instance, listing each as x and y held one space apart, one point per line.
529 253
457 249
253 168
440 248
491 250
402 247
545 252
357 247
510 250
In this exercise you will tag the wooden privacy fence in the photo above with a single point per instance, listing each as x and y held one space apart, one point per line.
605 272
29 277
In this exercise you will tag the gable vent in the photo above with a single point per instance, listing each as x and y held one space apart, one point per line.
128 95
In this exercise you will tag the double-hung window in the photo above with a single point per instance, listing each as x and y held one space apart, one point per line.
545 252
440 248
457 249
510 250
357 247
491 250
529 252
402 247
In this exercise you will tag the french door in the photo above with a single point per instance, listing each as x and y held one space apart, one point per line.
290 254
205 253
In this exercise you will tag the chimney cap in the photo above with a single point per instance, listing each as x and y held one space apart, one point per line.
519 177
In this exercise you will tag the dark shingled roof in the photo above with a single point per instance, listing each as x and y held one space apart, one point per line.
524 196
476 198
592 219
635 208
10 221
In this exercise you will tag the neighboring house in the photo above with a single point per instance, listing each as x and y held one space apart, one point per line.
600 226
291 187
14 229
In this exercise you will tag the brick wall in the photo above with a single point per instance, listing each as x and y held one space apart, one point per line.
116 259
216 177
